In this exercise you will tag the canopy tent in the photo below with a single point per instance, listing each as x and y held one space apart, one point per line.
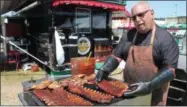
118 15
181 26
10 5
171 26
93 3
178 26
181 33
175 26
163 26
5 6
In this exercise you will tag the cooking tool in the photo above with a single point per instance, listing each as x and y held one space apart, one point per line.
92 86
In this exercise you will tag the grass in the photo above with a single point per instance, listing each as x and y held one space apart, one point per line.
19 76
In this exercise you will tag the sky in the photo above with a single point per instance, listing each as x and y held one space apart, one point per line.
164 8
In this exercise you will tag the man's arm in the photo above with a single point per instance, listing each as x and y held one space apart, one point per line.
121 50
112 61
163 76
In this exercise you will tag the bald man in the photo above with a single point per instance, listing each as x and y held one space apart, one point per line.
151 56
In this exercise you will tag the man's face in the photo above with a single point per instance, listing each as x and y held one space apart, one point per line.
143 18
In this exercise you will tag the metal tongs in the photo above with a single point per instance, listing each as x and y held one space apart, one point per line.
91 86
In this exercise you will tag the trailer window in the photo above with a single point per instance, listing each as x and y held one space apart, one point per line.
99 20
99 23
83 20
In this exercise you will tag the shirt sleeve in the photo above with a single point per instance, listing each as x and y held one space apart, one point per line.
169 51
121 50
118 49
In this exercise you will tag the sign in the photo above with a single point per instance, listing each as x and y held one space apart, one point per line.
121 2
84 45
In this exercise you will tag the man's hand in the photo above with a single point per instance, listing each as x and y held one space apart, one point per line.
110 65
163 76
138 89
101 75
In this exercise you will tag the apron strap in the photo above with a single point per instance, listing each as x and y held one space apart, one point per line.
134 39
153 35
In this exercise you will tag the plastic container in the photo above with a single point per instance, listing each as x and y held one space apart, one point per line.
82 65
34 68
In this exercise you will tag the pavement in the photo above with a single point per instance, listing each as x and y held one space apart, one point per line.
11 85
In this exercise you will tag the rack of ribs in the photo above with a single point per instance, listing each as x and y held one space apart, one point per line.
115 90
49 98
118 84
89 93
72 98
60 97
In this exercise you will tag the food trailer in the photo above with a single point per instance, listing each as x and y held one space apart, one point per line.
82 27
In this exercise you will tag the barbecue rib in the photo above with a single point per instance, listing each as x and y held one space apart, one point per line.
111 89
89 93
76 79
49 98
90 79
54 85
60 97
44 84
118 84
73 99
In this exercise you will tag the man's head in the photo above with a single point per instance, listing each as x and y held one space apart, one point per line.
142 16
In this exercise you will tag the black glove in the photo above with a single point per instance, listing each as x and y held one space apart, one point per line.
110 65
163 76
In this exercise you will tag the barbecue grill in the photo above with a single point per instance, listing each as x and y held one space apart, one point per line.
28 98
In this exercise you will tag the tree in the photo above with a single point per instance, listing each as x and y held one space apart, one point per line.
1 20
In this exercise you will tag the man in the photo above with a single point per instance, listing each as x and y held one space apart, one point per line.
151 56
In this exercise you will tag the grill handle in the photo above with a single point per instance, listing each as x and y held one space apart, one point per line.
20 96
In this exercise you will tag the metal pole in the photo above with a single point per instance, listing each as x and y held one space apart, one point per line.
22 50
32 5
4 35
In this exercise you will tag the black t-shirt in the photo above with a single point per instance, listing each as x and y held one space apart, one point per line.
165 49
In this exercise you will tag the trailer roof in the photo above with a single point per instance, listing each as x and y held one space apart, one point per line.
94 3
9 5
90 3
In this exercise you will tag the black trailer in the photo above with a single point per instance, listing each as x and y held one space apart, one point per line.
84 26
